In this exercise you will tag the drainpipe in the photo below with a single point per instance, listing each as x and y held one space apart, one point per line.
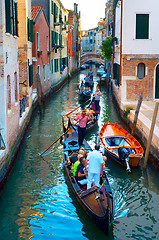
121 28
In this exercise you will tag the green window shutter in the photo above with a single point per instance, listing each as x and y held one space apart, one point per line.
52 7
60 16
30 75
61 65
60 39
142 26
16 19
30 30
56 38
55 12
12 16
8 15
53 37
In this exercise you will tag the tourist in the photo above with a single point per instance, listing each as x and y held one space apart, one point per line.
95 167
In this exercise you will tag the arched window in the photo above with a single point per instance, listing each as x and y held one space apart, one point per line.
141 70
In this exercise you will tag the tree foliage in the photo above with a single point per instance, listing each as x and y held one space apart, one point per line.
106 48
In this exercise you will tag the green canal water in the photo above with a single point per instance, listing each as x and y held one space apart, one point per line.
36 203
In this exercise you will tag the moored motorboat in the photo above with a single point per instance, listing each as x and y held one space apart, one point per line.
120 145
96 202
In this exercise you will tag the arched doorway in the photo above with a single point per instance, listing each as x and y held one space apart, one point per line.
157 82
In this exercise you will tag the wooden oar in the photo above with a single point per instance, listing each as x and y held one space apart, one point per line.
55 141
60 136
75 109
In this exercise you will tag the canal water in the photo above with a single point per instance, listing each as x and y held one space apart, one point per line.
36 203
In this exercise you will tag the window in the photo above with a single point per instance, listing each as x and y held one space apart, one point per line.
38 44
38 70
142 26
11 17
56 65
47 41
52 67
16 87
52 7
9 91
44 72
30 30
48 71
30 75
141 70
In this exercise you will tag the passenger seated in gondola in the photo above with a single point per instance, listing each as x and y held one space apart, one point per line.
81 173
77 162
87 91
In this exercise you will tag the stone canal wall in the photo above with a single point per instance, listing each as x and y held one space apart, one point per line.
7 159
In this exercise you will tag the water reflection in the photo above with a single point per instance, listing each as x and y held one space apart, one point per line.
36 202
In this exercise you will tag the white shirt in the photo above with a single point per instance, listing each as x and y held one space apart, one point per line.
95 159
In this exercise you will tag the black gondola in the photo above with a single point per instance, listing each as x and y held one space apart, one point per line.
97 202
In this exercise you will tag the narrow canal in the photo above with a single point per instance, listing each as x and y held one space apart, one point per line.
36 202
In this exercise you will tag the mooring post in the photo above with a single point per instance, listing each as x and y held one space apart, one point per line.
151 134
137 112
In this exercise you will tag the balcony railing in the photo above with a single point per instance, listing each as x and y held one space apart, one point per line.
23 104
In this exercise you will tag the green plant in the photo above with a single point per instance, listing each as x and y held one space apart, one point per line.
106 48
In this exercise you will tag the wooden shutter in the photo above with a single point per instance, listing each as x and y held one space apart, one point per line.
142 26
16 19
8 15
55 12
53 38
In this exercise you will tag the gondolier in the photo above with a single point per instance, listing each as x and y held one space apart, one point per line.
83 119
97 96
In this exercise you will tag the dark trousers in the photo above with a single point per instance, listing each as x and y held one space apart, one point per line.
81 134
96 102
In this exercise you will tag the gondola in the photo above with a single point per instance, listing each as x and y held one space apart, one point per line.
120 145
95 119
96 202
84 92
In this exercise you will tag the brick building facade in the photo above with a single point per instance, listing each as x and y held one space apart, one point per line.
136 54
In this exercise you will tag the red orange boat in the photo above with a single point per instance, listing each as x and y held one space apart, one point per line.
121 145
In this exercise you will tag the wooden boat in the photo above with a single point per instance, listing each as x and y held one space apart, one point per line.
94 121
99 209
84 92
120 145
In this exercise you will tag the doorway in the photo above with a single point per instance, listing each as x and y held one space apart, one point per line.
157 82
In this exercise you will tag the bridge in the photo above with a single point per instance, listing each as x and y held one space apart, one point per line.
91 56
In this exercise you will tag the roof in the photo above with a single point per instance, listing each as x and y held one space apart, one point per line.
35 10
